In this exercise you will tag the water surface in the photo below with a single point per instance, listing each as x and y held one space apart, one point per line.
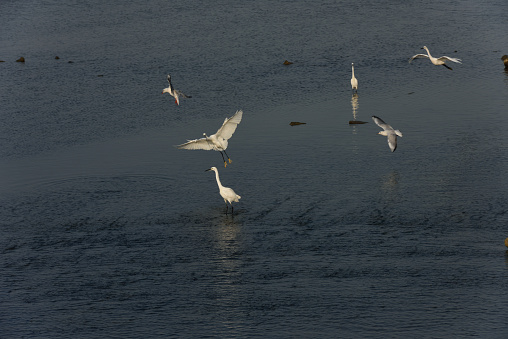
107 230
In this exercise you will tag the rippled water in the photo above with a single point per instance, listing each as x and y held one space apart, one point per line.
107 230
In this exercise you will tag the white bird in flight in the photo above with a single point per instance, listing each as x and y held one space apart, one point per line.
173 92
389 132
226 193
354 81
435 61
217 141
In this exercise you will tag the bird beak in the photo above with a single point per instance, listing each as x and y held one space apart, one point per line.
208 170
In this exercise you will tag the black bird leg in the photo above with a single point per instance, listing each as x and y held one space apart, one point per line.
230 161
222 155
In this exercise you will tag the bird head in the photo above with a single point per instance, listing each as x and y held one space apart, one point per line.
211 169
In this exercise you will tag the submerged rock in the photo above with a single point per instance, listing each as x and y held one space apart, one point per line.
505 60
356 122
287 62
57 57
21 60
294 123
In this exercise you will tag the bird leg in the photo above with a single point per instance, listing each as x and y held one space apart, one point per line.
230 161
447 66
222 155
226 208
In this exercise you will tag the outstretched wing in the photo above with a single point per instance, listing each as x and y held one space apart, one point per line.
444 58
203 143
170 85
381 123
418 56
392 141
182 95
229 126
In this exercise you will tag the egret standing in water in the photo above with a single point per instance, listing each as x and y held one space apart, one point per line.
435 61
389 132
173 92
217 141
354 81
225 192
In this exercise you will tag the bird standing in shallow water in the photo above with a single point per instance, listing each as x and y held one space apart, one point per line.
354 81
217 141
225 192
173 92
435 61
389 132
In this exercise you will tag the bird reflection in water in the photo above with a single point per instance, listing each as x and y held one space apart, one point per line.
354 105
228 262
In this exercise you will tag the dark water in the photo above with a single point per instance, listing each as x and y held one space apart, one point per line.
109 231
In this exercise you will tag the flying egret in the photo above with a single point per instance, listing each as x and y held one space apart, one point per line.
217 141
173 92
388 132
435 61
225 192
354 81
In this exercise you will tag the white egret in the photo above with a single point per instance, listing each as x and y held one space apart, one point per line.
217 141
435 61
226 193
354 81
389 132
173 92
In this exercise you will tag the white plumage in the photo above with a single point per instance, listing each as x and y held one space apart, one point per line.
173 92
217 141
435 61
225 192
354 81
389 132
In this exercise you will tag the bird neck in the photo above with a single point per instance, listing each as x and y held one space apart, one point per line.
353 69
428 53
217 178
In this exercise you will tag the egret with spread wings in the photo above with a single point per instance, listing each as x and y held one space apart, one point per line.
435 61
217 141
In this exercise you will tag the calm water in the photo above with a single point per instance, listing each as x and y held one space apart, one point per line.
107 230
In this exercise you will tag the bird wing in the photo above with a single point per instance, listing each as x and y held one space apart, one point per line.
203 143
444 58
392 141
170 85
182 95
381 123
417 56
229 126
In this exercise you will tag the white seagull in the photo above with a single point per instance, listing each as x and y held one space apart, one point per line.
388 132
354 81
226 193
217 141
435 61
173 92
